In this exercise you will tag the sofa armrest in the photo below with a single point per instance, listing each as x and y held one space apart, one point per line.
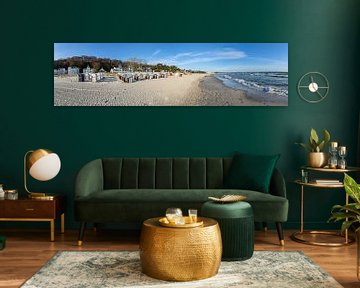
89 179
277 184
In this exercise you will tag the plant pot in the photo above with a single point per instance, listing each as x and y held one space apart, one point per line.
317 159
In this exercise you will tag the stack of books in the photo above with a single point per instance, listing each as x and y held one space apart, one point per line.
327 181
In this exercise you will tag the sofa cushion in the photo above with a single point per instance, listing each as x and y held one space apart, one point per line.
251 172
266 206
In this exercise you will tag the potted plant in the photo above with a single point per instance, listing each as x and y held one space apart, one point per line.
317 157
350 214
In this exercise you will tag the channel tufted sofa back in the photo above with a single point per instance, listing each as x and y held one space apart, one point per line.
164 173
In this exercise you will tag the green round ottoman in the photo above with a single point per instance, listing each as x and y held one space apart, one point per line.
236 221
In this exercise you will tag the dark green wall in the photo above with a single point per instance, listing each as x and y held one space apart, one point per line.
323 35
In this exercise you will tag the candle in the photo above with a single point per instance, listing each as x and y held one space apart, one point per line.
342 149
333 144
342 154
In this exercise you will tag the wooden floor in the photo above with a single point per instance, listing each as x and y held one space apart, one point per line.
28 250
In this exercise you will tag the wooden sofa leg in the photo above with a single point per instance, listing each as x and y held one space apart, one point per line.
265 227
81 233
280 233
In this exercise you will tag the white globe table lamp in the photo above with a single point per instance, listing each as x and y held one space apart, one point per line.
43 165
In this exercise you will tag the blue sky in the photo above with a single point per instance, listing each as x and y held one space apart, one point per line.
211 57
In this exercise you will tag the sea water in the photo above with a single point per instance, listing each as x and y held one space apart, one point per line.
261 85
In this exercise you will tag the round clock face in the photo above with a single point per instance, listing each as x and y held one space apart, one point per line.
313 87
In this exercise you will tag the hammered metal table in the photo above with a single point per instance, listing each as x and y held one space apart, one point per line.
180 254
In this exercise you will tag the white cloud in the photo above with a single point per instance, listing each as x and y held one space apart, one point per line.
155 53
186 58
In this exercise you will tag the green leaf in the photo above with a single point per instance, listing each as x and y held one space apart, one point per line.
314 135
345 213
336 216
312 144
350 207
326 136
346 225
352 188
306 146
338 207
321 146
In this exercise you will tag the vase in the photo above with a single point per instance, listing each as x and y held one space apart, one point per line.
317 159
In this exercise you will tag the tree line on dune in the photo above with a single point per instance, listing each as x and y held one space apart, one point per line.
107 64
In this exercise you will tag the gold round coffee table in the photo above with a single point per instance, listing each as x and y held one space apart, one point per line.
180 254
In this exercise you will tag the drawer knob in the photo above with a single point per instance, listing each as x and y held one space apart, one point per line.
29 209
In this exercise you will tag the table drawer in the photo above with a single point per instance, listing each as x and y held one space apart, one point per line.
28 209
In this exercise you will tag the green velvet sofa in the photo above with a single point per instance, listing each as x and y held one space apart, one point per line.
130 190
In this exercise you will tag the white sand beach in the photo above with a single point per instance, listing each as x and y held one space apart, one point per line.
188 90
171 91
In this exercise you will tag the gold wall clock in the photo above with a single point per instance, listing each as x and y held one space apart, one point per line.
313 87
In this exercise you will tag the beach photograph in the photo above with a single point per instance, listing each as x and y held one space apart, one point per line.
170 74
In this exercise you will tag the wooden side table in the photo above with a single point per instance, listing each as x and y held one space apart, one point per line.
26 209
297 235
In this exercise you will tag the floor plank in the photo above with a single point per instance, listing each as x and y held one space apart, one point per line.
28 250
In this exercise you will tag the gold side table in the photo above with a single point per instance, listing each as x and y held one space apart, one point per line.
180 254
297 235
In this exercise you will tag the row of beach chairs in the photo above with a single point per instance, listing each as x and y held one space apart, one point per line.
130 77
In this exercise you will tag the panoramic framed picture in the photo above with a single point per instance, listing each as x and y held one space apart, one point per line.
170 74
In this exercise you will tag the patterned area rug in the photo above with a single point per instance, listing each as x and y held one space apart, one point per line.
122 269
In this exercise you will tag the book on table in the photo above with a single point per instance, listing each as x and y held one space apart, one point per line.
327 181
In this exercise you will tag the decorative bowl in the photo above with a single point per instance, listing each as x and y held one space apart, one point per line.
228 198
188 224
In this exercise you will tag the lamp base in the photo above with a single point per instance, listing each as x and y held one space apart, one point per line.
41 196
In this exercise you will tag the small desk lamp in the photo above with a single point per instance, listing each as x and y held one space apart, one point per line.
43 165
